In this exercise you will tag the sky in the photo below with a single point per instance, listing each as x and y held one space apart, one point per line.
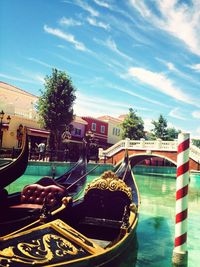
119 55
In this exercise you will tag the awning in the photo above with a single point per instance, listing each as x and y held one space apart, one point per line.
38 132
5 125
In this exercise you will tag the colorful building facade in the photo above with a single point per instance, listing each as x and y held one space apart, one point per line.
114 129
20 106
98 129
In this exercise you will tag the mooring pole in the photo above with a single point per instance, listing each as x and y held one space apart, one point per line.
180 254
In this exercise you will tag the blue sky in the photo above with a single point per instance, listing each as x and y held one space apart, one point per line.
135 54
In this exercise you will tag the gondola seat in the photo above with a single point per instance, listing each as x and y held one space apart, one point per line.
33 196
105 201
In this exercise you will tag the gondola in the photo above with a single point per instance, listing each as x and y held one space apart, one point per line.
91 231
23 207
75 178
13 170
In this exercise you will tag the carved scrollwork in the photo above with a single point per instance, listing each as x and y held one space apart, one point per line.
109 181
39 251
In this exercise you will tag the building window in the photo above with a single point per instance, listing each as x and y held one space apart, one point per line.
93 126
102 129
116 131
77 131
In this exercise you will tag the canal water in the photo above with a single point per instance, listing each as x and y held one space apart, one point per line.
154 240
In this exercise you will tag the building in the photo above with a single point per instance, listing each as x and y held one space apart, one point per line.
79 129
98 130
114 129
20 106
75 132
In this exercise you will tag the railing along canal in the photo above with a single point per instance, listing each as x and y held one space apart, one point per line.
147 145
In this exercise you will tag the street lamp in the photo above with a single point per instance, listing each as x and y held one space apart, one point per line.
66 137
89 135
1 125
89 142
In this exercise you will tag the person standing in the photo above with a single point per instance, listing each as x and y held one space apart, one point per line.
41 148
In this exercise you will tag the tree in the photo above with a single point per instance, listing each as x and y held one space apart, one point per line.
196 142
133 126
55 105
160 128
172 134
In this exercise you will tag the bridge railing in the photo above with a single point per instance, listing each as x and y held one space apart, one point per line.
139 145
148 145
195 153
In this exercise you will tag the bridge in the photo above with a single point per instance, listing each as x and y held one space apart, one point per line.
140 150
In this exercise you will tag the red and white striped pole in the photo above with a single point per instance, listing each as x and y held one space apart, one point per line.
180 253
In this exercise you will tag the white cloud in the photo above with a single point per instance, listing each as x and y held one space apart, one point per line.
196 114
181 20
131 93
33 79
87 8
195 67
39 78
94 22
175 113
65 36
96 106
69 22
141 7
148 126
110 43
40 62
198 131
102 3
161 83
169 65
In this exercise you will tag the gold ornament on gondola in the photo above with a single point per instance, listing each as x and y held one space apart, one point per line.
109 181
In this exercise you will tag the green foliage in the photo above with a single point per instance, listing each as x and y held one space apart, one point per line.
172 134
133 126
55 104
196 142
162 131
160 128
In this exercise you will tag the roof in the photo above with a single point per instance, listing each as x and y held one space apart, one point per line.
122 117
108 118
15 89
93 118
80 120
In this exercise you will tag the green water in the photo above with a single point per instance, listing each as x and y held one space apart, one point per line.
155 231
153 244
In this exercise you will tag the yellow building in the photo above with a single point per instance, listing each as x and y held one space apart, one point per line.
20 106
114 129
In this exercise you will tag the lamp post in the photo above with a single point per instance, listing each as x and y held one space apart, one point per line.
66 137
89 136
1 125
92 147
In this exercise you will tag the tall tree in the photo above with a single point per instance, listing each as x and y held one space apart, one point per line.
160 128
172 134
133 126
55 105
196 142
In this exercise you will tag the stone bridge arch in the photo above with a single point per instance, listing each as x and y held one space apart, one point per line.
135 159
144 149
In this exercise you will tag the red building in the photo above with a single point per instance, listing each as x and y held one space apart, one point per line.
99 130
